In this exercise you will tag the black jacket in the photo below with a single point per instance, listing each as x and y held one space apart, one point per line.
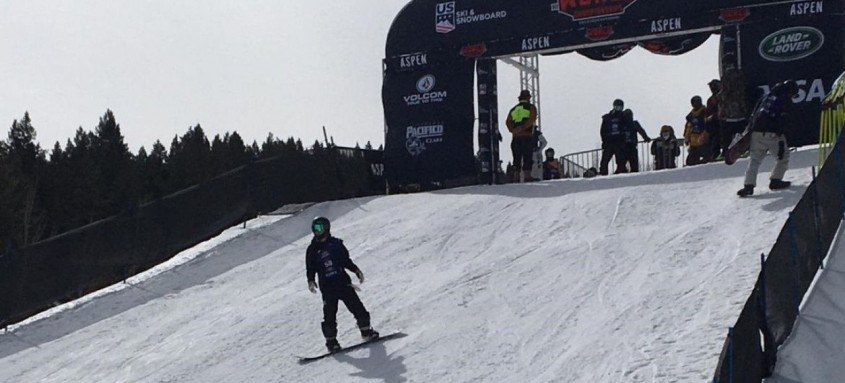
614 126
329 259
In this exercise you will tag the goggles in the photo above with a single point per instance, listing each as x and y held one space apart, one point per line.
318 228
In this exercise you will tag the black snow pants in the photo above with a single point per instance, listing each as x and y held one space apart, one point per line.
523 152
614 149
331 296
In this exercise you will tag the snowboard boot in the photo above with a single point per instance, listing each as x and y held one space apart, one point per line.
368 333
332 345
526 176
778 184
746 191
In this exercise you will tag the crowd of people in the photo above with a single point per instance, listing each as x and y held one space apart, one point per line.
710 129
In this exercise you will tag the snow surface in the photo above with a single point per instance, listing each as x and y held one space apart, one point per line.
814 351
631 278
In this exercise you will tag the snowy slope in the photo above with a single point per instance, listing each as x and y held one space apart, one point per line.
813 352
632 278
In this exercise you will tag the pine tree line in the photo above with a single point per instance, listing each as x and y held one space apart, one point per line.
95 175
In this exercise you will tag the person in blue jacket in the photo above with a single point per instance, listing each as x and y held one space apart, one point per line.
328 258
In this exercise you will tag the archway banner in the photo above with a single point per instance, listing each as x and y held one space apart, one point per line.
514 27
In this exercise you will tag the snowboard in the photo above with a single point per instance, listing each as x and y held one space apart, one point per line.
738 147
309 359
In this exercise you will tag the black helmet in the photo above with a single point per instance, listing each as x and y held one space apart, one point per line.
618 102
790 87
550 152
320 226
696 100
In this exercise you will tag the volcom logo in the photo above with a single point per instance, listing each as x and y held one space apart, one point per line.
425 92
426 84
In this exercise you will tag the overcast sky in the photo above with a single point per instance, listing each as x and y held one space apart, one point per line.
286 67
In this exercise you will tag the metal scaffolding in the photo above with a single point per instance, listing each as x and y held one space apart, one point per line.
529 78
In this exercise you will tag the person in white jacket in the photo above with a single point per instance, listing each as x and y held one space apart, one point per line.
540 140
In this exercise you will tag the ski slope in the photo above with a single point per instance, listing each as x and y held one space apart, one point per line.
631 278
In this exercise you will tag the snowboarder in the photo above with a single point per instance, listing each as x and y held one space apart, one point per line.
614 124
520 123
328 257
767 128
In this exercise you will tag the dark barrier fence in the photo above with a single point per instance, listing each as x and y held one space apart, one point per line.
785 276
68 266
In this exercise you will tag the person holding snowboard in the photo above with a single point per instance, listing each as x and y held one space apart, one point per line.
767 135
328 258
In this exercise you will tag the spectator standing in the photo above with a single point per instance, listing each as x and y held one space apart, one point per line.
733 107
711 119
632 153
614 125
539 144
551 166
665 148
695 134
520 123
767 135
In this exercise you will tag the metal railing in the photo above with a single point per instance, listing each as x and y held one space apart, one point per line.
574 165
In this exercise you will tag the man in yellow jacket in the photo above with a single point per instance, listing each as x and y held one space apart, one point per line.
521 123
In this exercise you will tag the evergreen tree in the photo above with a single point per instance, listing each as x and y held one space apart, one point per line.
190 158
237 150
24 161
84 194
120 186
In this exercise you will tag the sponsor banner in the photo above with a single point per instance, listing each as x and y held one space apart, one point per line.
582 10
429 115
729 48
675 45
540 25
791 44
488 119
808 52
806 8
449 17
608 52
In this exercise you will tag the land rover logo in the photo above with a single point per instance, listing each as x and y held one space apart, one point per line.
791 44
425 84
